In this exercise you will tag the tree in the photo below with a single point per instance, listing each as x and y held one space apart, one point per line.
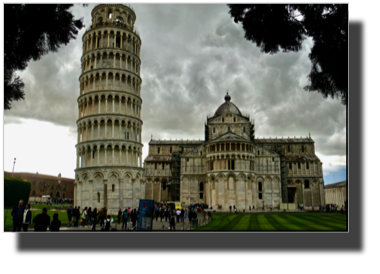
32 31
275 27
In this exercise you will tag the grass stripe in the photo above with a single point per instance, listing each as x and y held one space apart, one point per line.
264 223
315 225
243 224
326 223
254 223
276 222
233 222
301 225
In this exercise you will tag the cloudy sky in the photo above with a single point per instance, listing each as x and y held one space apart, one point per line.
191 55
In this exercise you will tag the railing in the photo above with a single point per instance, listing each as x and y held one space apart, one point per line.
113 23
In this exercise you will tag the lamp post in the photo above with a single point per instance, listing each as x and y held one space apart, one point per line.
13 166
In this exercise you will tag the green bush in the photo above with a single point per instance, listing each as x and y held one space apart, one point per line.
15 189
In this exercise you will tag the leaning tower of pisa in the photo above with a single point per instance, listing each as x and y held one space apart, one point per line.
109 149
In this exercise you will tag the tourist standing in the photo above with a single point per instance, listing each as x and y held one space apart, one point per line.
230 208
107 223
84 215
166 213
119 216
125 219
94 219
77 214
204 215
69 215
17 214
41 221
182 215
156 212
185 214
190 216
270 207
235 210
27 218
55 224
161 214
172 220
101 217
178 214
89 216
134 219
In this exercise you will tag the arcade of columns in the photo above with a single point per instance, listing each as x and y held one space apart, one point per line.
109 105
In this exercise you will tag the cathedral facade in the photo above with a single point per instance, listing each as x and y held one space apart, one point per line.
232 167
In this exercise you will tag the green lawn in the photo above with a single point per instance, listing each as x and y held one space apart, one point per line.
276 222
62 216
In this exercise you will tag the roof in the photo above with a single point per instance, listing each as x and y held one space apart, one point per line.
158 158
281 141
176 142
227 106
38 176
335 185
301 158
230 136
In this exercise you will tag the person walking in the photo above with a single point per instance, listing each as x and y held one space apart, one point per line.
125 219
182 215
17 214
161 214
69 215
235 210
89 216
134 219
172 220
107 223
190 216
77 213
271 208
166 213
55 224
27 218
156 212
178 212
84 215
230 208
119 216
185 214
94 219
41 221
101 217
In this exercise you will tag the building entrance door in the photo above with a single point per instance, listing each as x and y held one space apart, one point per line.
291 195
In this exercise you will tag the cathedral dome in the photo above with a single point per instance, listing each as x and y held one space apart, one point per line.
227 106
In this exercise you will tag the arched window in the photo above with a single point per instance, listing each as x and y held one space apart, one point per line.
303 149
158 150
290 165
307 184
223 120
113 188
307 165
164 186
288 148
234 119
228 128
110 14
243 129
201 186
213 130
98 197
260 186
155 165
258 152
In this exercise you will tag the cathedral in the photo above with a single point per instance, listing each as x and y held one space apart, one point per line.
231 167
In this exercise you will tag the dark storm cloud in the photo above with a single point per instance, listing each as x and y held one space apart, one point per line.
191 55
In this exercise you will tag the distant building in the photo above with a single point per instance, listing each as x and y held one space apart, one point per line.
41 184
336 194
233 168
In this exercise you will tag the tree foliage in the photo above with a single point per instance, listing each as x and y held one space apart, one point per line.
15 189
31 31
275 27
